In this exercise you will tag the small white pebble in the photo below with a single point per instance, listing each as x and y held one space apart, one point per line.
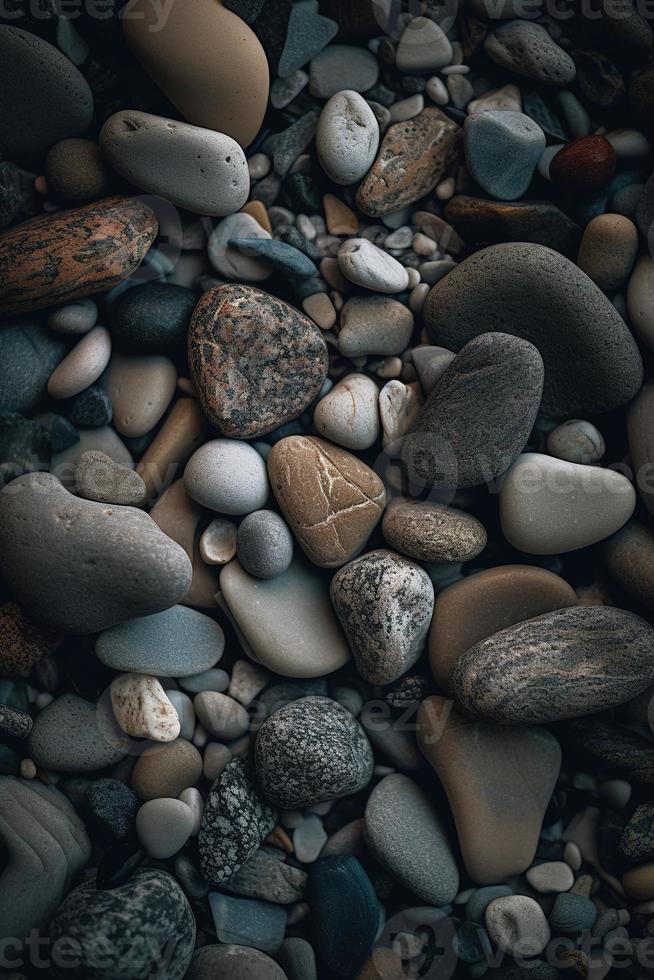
321 310
414 277
435 89
455 70
423 245
399 239
27 768
305 226
390 367
259 165
445 190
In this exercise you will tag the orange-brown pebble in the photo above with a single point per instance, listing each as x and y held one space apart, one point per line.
340 219
257 210
181 434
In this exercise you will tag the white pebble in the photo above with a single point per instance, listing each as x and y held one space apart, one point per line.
399 407
407 108
349 414
227 475
401 238
517 924
347 137
193 799
142 708
390 367
436 91
218 542
551 877
163 827
368 266
306 227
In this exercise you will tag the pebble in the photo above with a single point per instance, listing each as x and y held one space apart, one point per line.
432 532
257 925
267 876
43 94
349 414
550 299
629 144
59 257
141 388
287 622
407 109
74 318
482 221
166 770
213 679
264 544
163 827
347 138
112 808
345 934
551 877
100 478
638 883
216 758
152 318
28 356
92 407
527 49
151 904
172 643
193 58
229 261
309 751
560 493
563 664
218 542
286 258
101 577
184 707
384 603
142 709
75 171
509 776
517 924
640 300
405 834
220 715
503 376
309 839
583 166
234 332
82 366
228 476
367 265
374 325
572 914
24 446
321 310
233 962
71 735
182 431
23 641
576 441
330 499
423 48
15 723
502 149
235 822
342 67
412 159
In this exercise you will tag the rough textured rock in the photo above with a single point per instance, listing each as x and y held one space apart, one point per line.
637 841
384 603
478 417
151 904
492 776
100 478
527 49
432 532
84 571
58 257
564 664
616 751
592 363
28 355
256 361
267 876
23 642
412 159
487 602
309 751
330 499
235 822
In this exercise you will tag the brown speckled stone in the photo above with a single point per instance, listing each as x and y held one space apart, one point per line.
615 751
432 532
488 601
331 500
494 778
565 664
58 257
23 642
256 361
412 159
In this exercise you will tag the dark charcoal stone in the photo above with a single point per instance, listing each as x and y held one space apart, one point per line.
636 845
564 664
615 751
598 79
153 318
609 832
482 222
63 434
544 114
350 914
271 27
18 198
15 723
616 26
641 97
28 355
478 417
92 408
118 864
302 194
112 807
592 363
24 447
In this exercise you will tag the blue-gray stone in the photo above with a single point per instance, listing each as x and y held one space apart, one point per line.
138 926
502 149
246 922
542 113
284 257
297 959
572 914
28 355
308 33
172 643
293 141
481 898
472 943
350 914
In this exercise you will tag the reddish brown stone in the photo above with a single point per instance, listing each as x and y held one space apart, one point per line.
411 160
58 257
256 361
23 642
584 166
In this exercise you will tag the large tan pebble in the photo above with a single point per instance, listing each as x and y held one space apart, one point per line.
640 300
349 414
608 250
181 434
84 365
141 388
206 60
166 770
142 709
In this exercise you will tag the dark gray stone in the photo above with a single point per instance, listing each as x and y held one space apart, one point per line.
527 49
637 842
74 735
91 408
309 751
267 876
230 962
592 363
25 447
264 544
152 318
112 807
28 355
478 417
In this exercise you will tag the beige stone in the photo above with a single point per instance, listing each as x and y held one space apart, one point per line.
82 366
141 388
182 432
142 709
166 770
608 250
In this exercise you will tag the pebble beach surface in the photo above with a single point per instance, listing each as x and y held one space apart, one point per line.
326 442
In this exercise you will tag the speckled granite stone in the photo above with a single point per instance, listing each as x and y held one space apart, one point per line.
256 361
309 751
235 822
22 641
58 257
13 722
145 928
616 751
564 664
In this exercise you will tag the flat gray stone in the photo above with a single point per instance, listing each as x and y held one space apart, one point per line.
74 735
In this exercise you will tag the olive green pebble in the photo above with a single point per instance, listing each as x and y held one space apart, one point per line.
75 172
572 914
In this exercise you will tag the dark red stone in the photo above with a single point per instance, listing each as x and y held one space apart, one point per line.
584 166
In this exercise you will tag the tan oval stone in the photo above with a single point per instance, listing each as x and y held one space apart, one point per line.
141 388
84 365
432 532
331 500
608 250
166 770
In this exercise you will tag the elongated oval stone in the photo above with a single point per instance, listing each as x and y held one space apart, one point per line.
59 257
565 664
412 159
592 363
478 417
256 361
